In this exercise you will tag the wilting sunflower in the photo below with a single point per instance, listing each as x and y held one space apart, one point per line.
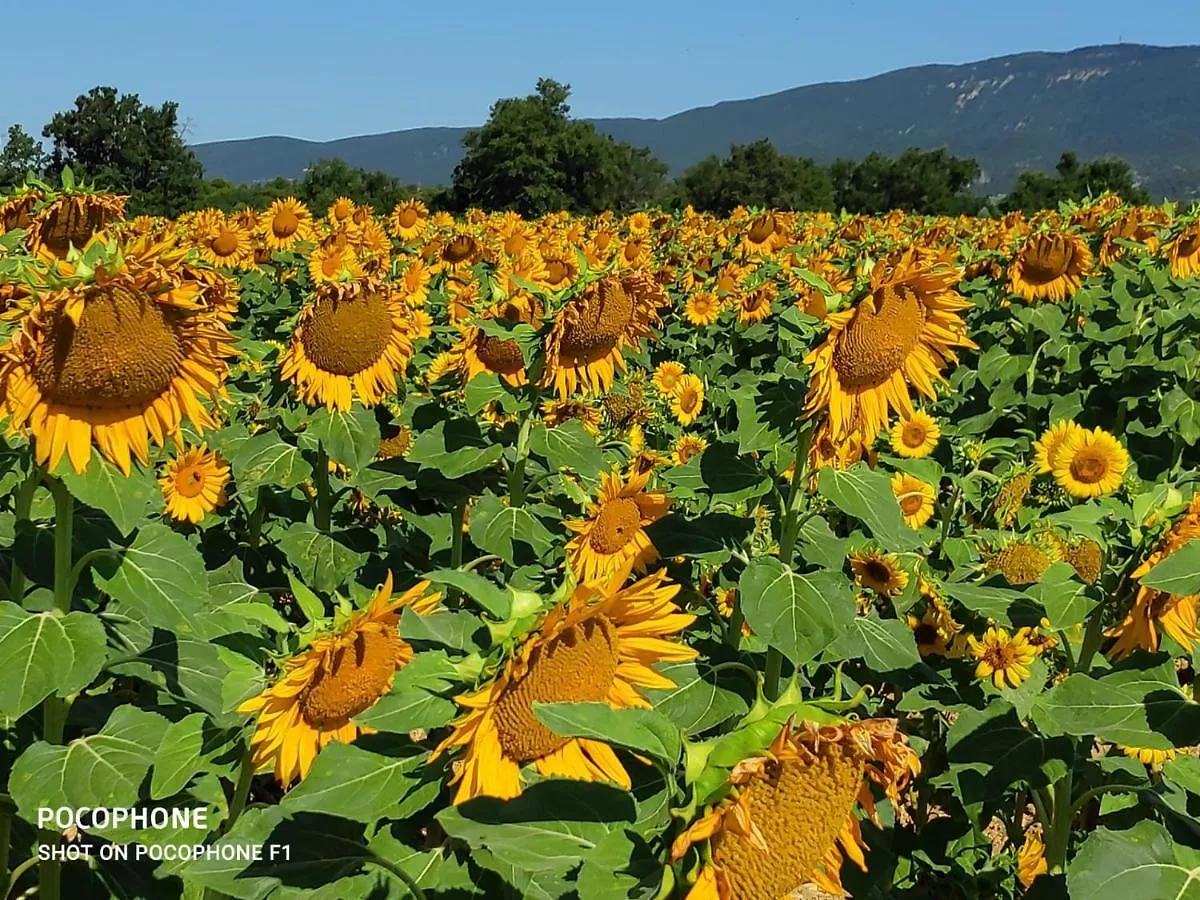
349 342
900 335
1090 463
336 678
755 305
1154 610
285 222
556 412
1011 498
71 219
1031 858
1001 657
687 446
879 571
193 484
687 401
936 632
612 539
119 361
409 220
1149 757
1046 448
1050 266
1086 557
584 348
790 818
1184 252
915 498
702 308
601 645
915 437
1022 561
394 445
478 353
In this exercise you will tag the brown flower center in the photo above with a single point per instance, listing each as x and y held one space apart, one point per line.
911 504
408 217
459 250
344 337
596 322
226 242
618 521
876 572
1189 244
913 434
761 229
189 481
879 338
351 680
1021 563
124 353
285 223
1088 466
578 665
1047 258
499 354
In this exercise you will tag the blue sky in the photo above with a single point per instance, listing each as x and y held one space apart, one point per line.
320 70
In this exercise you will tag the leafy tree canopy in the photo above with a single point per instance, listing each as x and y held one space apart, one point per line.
22 155
932 182
756 175
1074 180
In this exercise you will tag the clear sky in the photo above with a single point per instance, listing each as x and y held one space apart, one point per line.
323 69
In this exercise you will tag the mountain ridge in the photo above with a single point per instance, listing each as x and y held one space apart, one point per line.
1011 112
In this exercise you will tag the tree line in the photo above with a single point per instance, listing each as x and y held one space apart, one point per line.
532 156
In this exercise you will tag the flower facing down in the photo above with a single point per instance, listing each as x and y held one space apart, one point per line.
337 677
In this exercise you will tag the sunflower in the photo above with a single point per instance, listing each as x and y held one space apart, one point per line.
285 222
1154 610
1010 499
687 446
915 437
600 645
477 352
409 220
334 263
899 335
1090 464
879 571
702 308
666 377
1047 447
337 677
612 539
755 305
193 484
118 361
936 632
394 445
789 818
1184 252
415 279
688 399
348 343
1050 266
584 348
223 241
1022 561
1031 858
341 211
556 412
1002 657
71 220
1086 557
762 236
1149 757
915 498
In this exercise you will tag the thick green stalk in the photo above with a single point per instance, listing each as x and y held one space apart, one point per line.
5 836
733 636
323 502
1059 840
771 676
22 503
241 791
516 476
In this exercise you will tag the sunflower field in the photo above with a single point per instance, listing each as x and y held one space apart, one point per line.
358 554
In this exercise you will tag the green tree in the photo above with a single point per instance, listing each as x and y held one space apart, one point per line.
756 175
328 179
1074 180
127 146
930 182
532 157
21 156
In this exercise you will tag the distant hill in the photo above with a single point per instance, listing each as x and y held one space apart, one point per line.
1011 113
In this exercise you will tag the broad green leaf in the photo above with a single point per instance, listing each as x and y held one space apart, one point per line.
800 615
1002 604
493 599
722 473
161 577
512 533
1182 414
353 783
1184 770
407 710
455 448
1179 573
267 459
323 562
710 536
701 698
125 499
569 446
1141 862
178 756
637 729
45 653
867 496
1062 595
456 630
350 438
885 645
238 606
483 389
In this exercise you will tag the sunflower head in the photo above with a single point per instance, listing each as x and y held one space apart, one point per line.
1023 560
612 540
915 436
71 219
916 498
1047 447
193 484
879 571
1050 266
1090 464
1002 657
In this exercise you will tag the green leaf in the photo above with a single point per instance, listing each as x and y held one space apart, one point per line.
997 747
161 577
407 710
1062 596
124 499
352 783
710 536
323 562
266 459
644 730
350 438
1184 770
720 472
1140 862
45 653
105 769
483 389
868 497
568 446
1181 413
499 529
455 448
494 600
178 756
701 698
800 615
886 645
1179 573
456 630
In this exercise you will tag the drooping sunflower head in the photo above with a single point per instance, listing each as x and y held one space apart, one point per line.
337 677
285 222
601 645
1050 266
1023 560
1090 463
556 412
612 539
900 335
791 816
350 342
71 219
915 436
935 631
584 349
118 360
397 444
1031 858
755 304
478 352
1184 252
916 498
879 571
1010 499
193 484
409 220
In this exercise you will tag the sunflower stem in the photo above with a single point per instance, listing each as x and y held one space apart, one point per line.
771 675
16 876
405 878
733 633
5 836
1059 840
22 504
240 791
323 501
516 476
791 518
254 523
